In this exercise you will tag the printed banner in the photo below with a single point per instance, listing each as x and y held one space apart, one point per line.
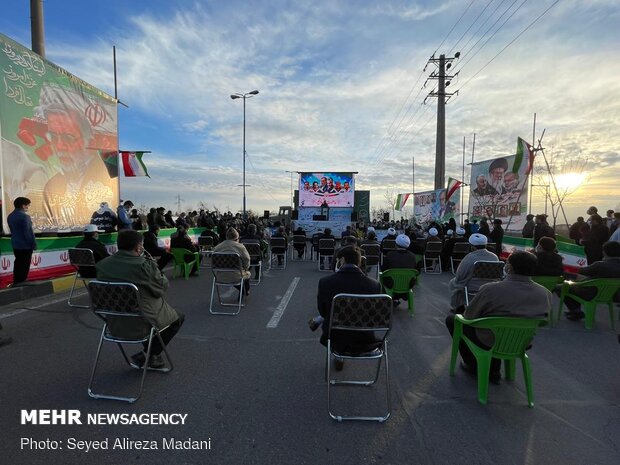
432 206
336 189
499 190
57 134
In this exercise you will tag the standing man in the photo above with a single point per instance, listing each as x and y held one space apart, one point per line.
130 265
22 239
124 221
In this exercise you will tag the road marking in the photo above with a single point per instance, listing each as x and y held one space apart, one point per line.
277 315
34 307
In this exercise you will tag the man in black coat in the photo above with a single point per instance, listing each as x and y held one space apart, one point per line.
151 245
91 241
542 229
348 279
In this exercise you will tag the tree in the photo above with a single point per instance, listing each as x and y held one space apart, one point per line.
390 199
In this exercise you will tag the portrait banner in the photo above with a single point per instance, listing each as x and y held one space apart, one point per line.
335 189
59 141
499 190
432 206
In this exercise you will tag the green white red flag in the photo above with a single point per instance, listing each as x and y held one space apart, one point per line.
401 200
453 185
133 164
524 152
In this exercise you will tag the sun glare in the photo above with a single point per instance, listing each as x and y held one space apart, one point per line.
569 180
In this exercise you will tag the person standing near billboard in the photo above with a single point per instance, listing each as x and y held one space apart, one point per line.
22 239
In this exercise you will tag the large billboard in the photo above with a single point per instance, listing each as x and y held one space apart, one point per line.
432 206
499 190
336 189
58 141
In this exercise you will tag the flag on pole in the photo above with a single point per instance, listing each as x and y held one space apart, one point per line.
453 185
401 200
133 164
524 150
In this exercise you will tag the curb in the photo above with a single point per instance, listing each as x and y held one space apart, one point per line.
33 289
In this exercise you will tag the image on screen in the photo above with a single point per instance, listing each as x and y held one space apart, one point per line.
335 189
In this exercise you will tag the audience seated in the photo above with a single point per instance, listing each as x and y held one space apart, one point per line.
232 245
182 241
401 258
151 245
516 296
466 268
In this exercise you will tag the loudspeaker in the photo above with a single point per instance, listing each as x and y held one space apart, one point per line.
386 217
354 216
266 214
295 215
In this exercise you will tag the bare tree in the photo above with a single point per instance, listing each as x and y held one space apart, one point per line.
390 199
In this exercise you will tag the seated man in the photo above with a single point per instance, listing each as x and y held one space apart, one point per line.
210 231
182 241
609 267
348 241
516 296
232 245
252 237
280 251
401 257
299 247
91 241
151 245
348 279
466 269
549 260
129 265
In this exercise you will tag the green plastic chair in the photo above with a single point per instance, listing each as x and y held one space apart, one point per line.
183 266
549 283
401 277
606 289
512 337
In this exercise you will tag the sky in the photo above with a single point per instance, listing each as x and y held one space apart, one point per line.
342 88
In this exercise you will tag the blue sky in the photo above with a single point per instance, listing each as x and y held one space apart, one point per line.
340 89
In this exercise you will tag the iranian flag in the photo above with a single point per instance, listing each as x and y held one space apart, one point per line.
133 164
453 185
524 151
401 200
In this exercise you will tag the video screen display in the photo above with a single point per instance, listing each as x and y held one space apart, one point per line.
336 189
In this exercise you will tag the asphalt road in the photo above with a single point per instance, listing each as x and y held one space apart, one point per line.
253 387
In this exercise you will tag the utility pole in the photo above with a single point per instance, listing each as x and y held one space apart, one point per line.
37 33
442 96
178 201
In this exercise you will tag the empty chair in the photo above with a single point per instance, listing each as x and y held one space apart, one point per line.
255 260
85 259
277 248
205 244
458 253
484 272
300 245
369 315
432 253
227 272
118 305
327 248
512 337
372 252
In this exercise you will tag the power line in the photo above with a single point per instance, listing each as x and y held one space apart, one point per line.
464 47
455 24
260 181
511 42
470 26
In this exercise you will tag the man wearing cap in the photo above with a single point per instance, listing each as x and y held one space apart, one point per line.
466 268
91 242
232 245
122 212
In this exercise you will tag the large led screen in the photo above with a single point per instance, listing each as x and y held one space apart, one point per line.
335 189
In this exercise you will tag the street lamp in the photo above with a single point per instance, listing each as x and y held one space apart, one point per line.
244 96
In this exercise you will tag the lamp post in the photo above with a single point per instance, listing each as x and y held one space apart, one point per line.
244 96
292 198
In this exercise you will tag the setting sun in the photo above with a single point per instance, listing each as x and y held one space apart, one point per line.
569 180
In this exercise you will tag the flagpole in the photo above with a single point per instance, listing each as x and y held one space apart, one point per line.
473 149
463 181
413 188
533 161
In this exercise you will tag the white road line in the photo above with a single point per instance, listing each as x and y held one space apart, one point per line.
277 315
